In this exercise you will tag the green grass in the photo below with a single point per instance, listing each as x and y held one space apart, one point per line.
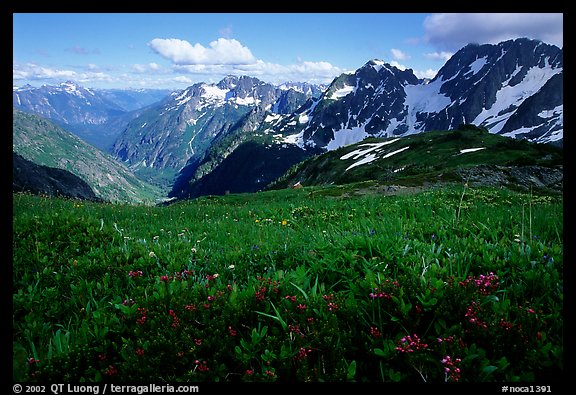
428 157
314 284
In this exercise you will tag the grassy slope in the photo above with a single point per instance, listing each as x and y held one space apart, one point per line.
71 262
428 157
45 143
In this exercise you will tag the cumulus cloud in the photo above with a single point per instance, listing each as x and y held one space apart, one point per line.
145 68
139 68
428 74
452 31
35 72
397 65
399 55
220 51
182 80
314 72
229 57
442 55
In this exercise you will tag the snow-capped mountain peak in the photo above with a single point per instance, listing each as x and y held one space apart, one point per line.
512 88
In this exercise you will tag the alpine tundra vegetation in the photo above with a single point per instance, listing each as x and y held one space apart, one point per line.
455 283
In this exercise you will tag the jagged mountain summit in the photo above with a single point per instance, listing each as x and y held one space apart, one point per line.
311 90
67 103
513 88
178 131
95 115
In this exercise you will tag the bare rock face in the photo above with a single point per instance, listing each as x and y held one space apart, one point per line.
524 177
513 88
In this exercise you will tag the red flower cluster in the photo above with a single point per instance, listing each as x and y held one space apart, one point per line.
142 319
375 332
111 371
260 294
201 366
175 320
232 332
302 353
410 344
135 273
485 284
471 314
295 329
451 370
329 298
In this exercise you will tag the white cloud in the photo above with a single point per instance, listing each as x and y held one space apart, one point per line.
453 31
145 68
220 52
182 80
29 72
33 71
230 57
418 73
399 55
397 65
442 55
139 68
314 72
425 73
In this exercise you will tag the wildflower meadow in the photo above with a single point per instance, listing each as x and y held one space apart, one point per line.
451 284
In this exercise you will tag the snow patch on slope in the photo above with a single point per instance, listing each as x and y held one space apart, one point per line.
346 137
477 65
340 93
466 150
424 99
509 97
372 152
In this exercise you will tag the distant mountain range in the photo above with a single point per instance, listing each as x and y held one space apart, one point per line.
177 133
241 134
95 115
44 143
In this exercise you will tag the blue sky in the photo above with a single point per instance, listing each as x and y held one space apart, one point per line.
162 50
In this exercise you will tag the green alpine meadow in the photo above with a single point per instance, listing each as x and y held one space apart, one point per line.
455 282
